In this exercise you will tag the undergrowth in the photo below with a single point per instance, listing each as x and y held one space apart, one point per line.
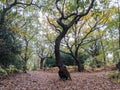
115 76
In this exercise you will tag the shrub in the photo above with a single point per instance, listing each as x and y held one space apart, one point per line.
50 62
3 72
12 69
10 48
115 76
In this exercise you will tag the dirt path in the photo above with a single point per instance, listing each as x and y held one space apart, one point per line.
39 80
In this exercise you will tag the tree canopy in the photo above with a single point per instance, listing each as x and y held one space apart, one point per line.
43 33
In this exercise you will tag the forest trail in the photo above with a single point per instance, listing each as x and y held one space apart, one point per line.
39 80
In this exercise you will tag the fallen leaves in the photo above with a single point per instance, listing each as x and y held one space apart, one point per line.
39 80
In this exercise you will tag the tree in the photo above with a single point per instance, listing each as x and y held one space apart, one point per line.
119 21
43 51
10 47
28 33
11 8
26 54
81 35
113 32
118 64
8 5
75 17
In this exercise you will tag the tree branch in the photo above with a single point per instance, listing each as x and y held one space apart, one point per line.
58 30
9 6
56 3
77 17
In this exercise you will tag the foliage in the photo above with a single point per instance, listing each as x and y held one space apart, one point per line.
66 59
12 69
3 72
100 25
115 76
83 57
95 63
50 62
10 47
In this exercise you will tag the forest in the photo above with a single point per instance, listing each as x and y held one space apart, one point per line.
59 45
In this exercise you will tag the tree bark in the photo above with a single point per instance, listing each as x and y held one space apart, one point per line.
63 72
76 17
80 66
103 50
41 63
78 63
25 67
26 57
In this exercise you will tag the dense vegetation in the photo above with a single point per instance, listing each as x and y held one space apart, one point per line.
39 34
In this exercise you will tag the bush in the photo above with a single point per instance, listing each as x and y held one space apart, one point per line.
12 69
96 63
2 71
66 59
115 76
50 62
10 48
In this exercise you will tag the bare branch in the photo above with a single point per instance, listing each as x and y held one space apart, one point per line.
77 17
56 28
68 46
63 8
56 3
77 2
89 8
91 40
29 4
9 6
92 29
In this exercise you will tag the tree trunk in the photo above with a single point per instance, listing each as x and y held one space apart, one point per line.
41 63
63 72
25 67
78 63
80 66
25 58
103 50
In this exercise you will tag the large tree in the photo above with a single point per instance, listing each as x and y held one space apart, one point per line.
66 20
10 15
44 50
82 34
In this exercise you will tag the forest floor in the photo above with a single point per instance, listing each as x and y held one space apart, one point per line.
40 80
